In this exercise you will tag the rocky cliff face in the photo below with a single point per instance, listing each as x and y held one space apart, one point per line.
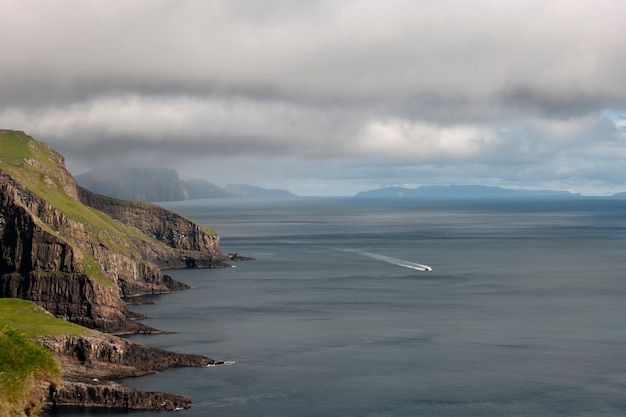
59 248
109 394
187 244
90 362
39 262
103 356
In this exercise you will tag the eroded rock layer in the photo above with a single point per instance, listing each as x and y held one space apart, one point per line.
76 253
90 362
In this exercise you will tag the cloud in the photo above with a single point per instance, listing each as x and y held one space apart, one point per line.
498 89
396 50
420 141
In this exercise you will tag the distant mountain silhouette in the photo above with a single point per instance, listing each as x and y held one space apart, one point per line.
147 184
204 189
135 183
163 184
458 191
252 191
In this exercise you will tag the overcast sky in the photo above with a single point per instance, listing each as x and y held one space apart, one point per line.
326 97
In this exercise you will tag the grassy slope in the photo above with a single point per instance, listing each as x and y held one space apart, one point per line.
15 149
32 320
22 362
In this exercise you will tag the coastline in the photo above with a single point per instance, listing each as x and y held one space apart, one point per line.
92 364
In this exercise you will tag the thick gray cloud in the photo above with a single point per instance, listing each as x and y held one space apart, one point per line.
326 96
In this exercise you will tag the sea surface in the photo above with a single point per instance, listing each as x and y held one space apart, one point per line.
523 314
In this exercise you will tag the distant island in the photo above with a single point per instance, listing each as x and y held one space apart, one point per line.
458 191
163 184
159 184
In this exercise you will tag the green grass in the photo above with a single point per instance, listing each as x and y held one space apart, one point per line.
22 361
32 320
17 146
93 270
22 364
32 164
43 178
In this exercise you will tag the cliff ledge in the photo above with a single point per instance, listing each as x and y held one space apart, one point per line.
90 364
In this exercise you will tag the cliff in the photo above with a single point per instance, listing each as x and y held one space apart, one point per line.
26 372
76 253
135 183
44 360
91 362
252 191
180 242
204 189
104 356
140 183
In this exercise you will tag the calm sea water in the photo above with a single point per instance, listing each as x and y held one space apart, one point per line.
524 313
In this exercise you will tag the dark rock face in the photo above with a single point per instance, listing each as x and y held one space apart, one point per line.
59 248
73 297
113 395
91 361
41 265
105 356
186 242
76 254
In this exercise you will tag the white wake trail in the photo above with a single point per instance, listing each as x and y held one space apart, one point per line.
393 261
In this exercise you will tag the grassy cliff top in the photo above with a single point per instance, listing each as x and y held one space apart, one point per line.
31 320
23 365
16 147
22 362
40 169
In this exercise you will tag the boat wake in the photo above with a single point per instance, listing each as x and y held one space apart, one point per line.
393 261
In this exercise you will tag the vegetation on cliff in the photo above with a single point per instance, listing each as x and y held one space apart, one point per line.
32 321
45 360
26 368
23 365
40 170
77 253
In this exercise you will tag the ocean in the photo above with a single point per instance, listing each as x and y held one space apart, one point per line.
523 313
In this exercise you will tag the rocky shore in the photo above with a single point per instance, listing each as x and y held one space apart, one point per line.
91 363
108 394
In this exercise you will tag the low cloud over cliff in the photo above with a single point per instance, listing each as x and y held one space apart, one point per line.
326 97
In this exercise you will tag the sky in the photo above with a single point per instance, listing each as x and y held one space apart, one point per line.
327 97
